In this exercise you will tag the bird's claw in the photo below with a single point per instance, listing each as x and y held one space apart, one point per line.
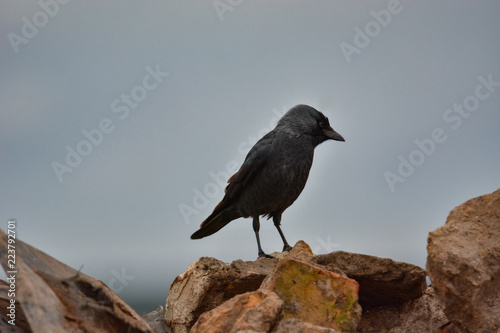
287 248
264 255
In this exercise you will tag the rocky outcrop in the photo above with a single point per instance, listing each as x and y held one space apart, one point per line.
382 281
295 291
53 297
464 265
205 294
317 294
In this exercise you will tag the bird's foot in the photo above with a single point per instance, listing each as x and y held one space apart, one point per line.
262 254
286 248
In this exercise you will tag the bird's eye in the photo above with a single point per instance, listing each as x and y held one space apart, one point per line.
321 124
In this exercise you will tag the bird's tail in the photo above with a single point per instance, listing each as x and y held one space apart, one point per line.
215 222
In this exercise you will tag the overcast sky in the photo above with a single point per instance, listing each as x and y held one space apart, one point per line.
120 121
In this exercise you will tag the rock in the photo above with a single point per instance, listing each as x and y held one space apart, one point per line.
206 284
424 314
255 311
298 326
56 298
301 250
382 281
200 288
155 319
249 275
315 295
464 264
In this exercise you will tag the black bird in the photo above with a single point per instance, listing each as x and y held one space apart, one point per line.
273 174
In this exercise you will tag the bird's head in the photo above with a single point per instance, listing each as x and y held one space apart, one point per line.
305 120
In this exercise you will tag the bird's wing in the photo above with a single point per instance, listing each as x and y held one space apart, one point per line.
254 161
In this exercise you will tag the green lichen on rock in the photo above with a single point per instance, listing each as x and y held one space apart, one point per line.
315 295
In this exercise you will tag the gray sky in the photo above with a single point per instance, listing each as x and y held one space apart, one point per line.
160 100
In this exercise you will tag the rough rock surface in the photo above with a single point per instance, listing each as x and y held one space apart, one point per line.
382 281
315 295
155 319
301 250
288 325
255 311
424 314
464 264
206 284
54 297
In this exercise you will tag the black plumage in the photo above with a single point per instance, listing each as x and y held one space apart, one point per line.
273 174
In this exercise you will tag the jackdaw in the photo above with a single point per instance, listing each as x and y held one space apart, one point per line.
273 174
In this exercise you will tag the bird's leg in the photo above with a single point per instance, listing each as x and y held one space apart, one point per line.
256 228
277 222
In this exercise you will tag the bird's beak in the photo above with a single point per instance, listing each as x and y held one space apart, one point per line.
331 134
